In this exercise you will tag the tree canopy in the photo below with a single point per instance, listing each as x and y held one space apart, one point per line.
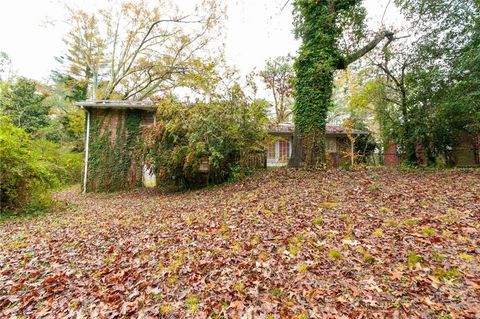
278 76
23 103
134 50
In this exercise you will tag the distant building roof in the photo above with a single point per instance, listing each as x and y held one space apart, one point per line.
281 128
287 128
147 105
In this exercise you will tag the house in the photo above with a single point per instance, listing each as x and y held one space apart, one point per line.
114 141
280 149
466 152
112 136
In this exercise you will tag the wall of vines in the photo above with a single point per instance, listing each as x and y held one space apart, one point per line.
114 162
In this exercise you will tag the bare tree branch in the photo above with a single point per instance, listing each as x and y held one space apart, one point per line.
285 5
344 63
140 47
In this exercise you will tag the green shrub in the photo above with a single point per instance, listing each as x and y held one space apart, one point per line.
25 173
219 131
72 167
64 164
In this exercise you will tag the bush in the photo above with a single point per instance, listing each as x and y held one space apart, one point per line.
64 164
71 165
25 174
219 132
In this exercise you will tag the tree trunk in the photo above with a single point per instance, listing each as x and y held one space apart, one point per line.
308 150
315 149
297 150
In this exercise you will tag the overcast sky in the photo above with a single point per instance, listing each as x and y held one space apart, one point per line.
255 31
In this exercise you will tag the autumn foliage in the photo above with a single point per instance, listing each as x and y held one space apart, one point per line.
218 132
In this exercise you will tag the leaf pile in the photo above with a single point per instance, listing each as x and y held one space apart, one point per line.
282 244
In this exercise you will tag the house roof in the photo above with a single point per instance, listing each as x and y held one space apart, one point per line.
287 128
147 105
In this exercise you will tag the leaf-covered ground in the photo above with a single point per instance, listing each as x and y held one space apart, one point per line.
282 244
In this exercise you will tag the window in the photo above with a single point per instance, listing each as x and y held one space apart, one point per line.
271 151
331 145
284 150
148 119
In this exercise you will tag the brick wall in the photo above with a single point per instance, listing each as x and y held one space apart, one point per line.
390 157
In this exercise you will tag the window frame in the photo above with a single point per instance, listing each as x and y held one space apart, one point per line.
272 150
284 149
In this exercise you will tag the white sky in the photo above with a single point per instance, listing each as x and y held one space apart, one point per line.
255 31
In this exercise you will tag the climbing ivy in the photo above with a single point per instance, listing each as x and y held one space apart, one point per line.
319 24
113 158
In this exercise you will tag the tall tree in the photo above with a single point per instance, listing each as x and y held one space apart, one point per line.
23 103
278 76
424 79
134 50
320 24
86 50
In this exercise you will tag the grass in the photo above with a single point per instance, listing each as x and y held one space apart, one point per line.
447 274
374 187
192 304
438 257
335 254
413 259
318 220
328 205
302 315
410 222
368 258
302 268
239 286
428 231
28 214
276 292
166 308
377 232
466 257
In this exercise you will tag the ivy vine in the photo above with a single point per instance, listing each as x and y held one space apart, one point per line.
113 161
318 25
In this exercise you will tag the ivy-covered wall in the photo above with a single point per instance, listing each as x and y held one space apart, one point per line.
114 163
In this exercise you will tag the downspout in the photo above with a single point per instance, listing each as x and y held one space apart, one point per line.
87 142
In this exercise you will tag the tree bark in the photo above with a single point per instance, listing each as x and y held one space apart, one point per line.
297 150
349 59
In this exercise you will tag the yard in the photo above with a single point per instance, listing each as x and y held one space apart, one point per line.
281 244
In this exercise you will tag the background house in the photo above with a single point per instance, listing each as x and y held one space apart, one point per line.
466 152
280 149
390 156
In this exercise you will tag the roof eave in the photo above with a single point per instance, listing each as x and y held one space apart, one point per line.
117 105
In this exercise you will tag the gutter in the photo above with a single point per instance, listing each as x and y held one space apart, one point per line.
87 142
117 104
